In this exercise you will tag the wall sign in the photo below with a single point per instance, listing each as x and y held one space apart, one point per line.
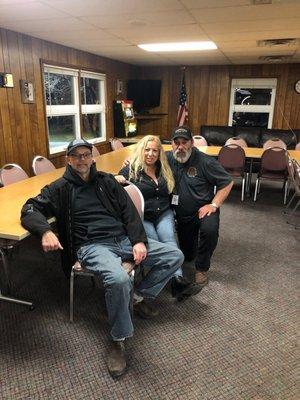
27 91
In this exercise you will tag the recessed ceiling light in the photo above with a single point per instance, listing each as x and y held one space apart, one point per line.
180 46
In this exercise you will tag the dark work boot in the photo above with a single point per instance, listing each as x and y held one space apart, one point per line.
144 310
182 289
116 361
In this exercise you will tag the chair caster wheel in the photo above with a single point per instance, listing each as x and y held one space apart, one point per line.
31 308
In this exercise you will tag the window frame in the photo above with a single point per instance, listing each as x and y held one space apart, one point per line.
77 110
253 83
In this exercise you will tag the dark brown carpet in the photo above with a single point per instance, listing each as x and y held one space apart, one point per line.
235 340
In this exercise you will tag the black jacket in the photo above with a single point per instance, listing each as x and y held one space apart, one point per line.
57 199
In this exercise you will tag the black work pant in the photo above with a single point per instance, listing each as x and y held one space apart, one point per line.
198 238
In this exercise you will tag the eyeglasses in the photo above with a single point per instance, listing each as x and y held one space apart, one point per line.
84 156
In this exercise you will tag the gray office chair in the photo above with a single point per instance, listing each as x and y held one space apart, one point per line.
77 269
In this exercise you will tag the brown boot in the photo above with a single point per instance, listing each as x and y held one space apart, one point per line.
116 361
201 278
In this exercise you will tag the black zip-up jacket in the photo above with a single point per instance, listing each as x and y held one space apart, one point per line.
57 199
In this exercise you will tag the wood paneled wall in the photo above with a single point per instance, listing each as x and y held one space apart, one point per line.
23 131
208 91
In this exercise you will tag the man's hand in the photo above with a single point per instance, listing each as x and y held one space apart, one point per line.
139 252
206 210
50 242
121 179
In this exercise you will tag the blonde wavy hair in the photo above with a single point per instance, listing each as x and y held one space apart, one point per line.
138 164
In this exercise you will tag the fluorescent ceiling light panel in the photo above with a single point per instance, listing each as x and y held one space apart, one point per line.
180 46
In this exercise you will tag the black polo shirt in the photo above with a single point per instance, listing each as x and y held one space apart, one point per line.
156 196
195 181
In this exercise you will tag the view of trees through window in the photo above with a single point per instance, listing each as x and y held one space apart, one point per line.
74 112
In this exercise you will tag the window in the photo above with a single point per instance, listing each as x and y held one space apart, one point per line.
252 102
75 106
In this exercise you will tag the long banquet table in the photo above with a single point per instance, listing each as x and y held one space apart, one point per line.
12 197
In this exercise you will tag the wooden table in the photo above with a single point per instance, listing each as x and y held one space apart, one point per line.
12 198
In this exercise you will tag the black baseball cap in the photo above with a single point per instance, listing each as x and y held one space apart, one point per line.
182 132
78 143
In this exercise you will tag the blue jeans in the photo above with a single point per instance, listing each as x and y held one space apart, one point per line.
105 258
163 230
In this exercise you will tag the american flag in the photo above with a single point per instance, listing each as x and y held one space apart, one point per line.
182 115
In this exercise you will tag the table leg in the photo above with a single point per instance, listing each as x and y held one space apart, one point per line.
3 256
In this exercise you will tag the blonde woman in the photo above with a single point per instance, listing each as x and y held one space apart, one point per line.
150 172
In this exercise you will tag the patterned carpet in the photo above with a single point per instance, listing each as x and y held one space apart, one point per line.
235 340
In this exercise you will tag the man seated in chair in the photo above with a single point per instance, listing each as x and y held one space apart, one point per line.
99 225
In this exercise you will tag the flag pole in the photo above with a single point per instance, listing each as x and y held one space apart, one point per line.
182 115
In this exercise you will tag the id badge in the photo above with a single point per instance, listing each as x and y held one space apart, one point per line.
175 199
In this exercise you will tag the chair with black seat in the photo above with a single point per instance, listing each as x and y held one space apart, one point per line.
273 168
199 141
12 173
116 144
95 152
41 164
232 158
138 200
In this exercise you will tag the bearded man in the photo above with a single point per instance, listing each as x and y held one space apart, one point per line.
201 186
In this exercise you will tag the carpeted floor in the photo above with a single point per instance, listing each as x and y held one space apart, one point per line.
235 340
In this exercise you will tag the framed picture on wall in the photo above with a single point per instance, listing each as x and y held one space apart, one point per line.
27 91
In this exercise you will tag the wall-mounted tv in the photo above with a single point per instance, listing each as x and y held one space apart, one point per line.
145 93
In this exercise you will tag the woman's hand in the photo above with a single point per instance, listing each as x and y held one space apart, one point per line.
121 179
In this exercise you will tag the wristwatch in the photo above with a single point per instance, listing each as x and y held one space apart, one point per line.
214 205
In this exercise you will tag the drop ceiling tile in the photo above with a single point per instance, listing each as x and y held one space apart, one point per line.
266 51
170 33
255 35
247 13
164 18
84 35
81 8
252 26
28 11
191 4
42 25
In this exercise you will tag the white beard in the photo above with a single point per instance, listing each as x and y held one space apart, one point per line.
182 158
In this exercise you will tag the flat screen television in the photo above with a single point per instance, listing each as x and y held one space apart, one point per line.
145 93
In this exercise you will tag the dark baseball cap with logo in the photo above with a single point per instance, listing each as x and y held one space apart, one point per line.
78 143
182 132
